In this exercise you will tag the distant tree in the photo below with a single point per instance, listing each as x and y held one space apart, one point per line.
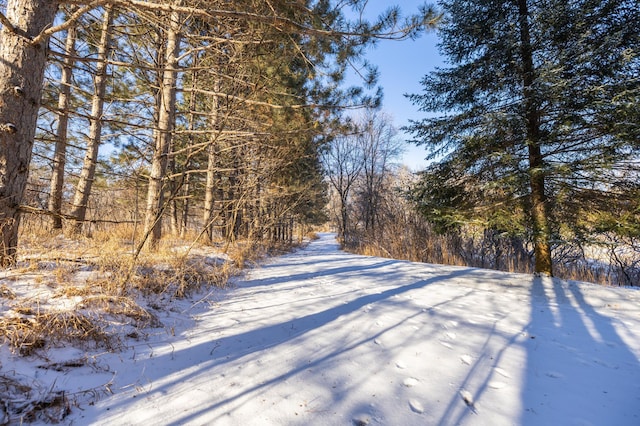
380 148
60 153
343 162
94 136
533 101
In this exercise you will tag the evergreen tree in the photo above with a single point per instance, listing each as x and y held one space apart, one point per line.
536 128
306 46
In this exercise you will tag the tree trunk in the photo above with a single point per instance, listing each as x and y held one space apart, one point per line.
173 189
344 218
21 74
87 175
186 177
60 154
163 135
184 218
210 190
539 208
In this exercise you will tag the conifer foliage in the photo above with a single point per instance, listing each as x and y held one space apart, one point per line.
216 110
534 126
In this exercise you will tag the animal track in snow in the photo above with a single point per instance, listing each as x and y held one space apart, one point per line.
446 345
401 365
410 382
416 406
497 385
467 359
554 375
501 372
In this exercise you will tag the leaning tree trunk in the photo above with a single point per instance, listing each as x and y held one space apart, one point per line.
163 135
87 175
22 65
60 154
539 207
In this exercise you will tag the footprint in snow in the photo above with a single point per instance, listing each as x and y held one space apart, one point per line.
410 382
554 375
416 406
502 372
467 397
497 385
446 345
401 365
361 420
467 359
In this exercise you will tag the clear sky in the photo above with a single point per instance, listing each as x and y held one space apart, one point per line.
402 64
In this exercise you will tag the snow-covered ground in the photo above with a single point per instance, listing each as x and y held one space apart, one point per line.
322 337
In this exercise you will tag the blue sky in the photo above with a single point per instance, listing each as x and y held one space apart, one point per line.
402 64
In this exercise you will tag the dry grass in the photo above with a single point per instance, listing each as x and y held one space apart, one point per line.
30 329
90 293
125 309
87 285
312 235
21 403
497 252
6 292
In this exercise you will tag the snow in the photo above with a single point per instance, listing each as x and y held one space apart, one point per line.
323 337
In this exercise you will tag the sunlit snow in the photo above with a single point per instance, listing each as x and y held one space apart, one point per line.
323 337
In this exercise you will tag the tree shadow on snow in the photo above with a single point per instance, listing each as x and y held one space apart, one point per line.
576 368
224 351
579 369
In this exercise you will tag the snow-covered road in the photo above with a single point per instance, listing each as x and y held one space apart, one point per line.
322 337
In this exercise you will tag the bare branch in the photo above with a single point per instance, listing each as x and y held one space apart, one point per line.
71 20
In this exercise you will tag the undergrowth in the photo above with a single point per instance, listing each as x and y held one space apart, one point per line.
492 250
93 293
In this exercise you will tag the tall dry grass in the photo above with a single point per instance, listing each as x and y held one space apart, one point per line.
90 283
97 292
401 233
491 250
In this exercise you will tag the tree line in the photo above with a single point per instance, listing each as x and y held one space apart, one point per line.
230 120
533 137
211 115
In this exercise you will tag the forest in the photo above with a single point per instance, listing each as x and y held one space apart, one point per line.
228 123
200 187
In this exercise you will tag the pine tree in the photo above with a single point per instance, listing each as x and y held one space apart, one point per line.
22 64
94 138
60 154
524 139
319 42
